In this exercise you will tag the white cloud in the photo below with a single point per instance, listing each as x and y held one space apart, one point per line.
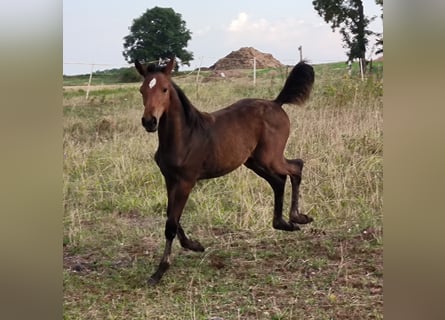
239 23
282 37
244 26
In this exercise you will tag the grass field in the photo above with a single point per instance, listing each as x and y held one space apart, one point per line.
115 200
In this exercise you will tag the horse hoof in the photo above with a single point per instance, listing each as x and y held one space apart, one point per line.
193 245
301 219
286 226
152 282
295 226
196 246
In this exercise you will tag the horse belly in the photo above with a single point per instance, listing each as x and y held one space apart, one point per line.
225 158
234 136
214 170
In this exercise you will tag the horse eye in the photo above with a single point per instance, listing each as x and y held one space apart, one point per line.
165 90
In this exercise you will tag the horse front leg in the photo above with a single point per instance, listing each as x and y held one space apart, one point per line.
177 193
186 243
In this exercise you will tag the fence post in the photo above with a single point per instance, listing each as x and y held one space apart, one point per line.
197 77
199 70
254 71
89 81
362 71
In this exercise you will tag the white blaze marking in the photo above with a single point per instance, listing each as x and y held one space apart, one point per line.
152 83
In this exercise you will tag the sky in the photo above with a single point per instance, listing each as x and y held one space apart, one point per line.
93 31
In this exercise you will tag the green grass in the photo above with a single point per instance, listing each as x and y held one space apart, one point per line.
115 201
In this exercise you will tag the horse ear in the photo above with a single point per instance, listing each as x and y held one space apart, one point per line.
170 66
140 68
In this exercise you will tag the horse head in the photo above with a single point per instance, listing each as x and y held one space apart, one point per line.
155 92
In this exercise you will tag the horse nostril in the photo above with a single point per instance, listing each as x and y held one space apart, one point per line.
150 125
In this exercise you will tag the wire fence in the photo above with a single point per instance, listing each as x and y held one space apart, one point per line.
83 68
225 68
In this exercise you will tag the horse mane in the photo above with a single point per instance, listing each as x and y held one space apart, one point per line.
154 67
193 116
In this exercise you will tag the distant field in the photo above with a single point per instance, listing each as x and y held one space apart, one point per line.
115 201
116 76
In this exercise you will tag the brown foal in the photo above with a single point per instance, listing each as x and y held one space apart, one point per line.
195 145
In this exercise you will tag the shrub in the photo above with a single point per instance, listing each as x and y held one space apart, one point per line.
129 75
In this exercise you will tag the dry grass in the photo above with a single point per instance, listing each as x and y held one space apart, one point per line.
115 200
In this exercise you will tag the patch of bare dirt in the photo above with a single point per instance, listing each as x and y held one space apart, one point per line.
95 259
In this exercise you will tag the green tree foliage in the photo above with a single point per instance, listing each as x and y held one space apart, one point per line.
129 75
348 16
379 41
158 33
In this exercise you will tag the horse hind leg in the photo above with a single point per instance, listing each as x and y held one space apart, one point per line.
295 177
279 223
277 182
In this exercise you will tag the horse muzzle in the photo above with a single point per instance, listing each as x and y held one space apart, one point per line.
150 124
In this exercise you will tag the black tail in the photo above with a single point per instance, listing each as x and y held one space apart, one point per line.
298 85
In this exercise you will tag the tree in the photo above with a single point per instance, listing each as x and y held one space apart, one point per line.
158 34
348 16
379 41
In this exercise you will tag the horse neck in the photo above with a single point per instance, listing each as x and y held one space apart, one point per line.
173 129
